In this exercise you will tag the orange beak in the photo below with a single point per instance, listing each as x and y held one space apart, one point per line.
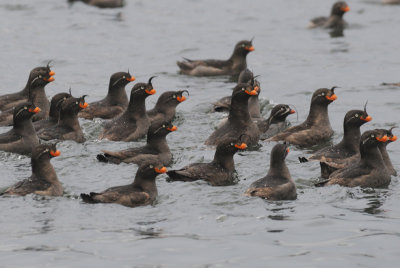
173 128
366 119
55 154
51 73
345 9
83 105
251 48
393 138
151 92
383 139
180 99
292 111
50 79
241 146
130 79
251 93
331 97
256 88
36 110
287 150
161 170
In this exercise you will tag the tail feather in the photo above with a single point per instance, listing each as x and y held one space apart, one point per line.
183 65
106 158
88 198
303 159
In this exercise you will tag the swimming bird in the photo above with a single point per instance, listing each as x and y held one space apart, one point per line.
278 183
68 127
101 3
156 148
219 172
22 138
116 101
44 180
233 66
134 123
239 120
165 108
54 114
11 100
276 122
385 155
35 93
335 20
143 190
347 150
316 128
369 170
224 104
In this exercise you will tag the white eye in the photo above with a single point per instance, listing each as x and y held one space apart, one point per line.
76 102
46 150
243 89
123 77
40 76
243 45
356 115
322 94
174 96
151 166
163 126
141 87
372 135
25 107
232 143
282 109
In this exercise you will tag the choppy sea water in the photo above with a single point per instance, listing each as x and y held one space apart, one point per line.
194 224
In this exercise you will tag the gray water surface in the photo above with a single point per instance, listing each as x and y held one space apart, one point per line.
194 224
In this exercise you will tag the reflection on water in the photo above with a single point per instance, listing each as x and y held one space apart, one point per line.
337 32
217 224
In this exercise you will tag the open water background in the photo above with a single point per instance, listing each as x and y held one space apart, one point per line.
194 224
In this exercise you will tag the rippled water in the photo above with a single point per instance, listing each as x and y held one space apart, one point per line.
193 224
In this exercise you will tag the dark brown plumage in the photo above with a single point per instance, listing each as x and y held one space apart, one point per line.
156 148
116 101
277 184
102 3
22 138
33 92
335 20
219 172
68 127
134 123
224 104
276 122
233 66
54 114
239 120
316 128
348 150
370 170
43 180
143 190
165 108
385 155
